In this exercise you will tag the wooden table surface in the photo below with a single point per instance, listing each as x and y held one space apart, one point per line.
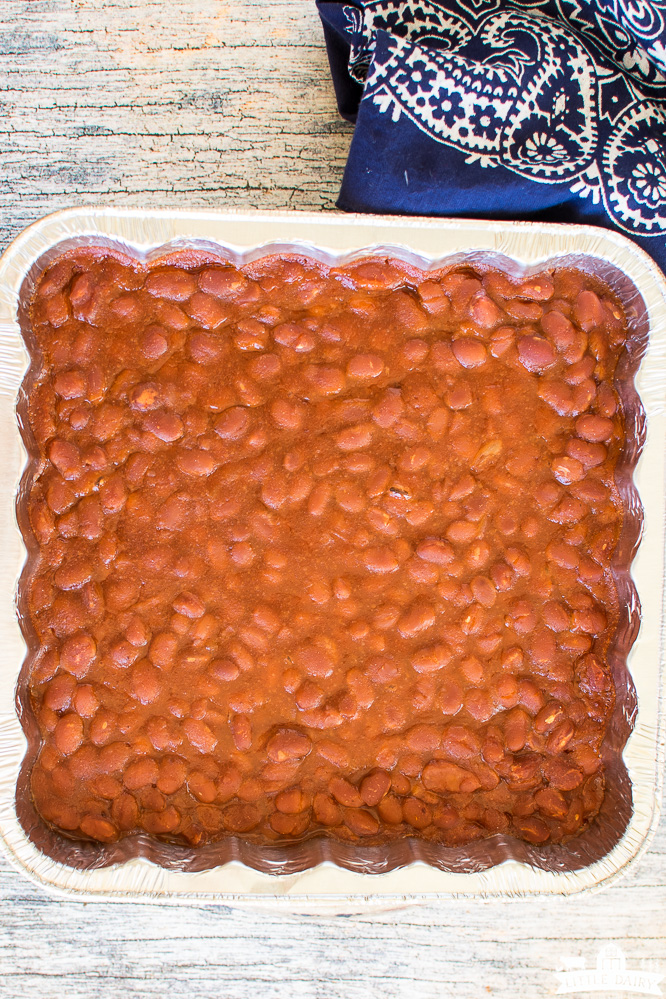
229 104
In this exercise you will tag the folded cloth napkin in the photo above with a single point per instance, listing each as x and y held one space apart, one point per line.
540 109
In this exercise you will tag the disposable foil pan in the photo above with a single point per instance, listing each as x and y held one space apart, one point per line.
515 247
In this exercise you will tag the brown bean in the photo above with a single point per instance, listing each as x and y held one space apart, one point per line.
591 676
591 620
78 654
533 829
479 705
522 617
168 427
461 531
59 692
265 367
81 288
593 428
189 604
594 493
288 414
70 384
548 716
207 310
308 696
505 690
588 310
558 396
114 755
374 787
68 734
418 618
561 775
288 825
315 660
223 282
326 379
146 397
199 735
380 560
560 329
84 701
66 458
72 575
435 550
59 496
125 812
326 811
382 669
354 438
567 470
484 312
288 744
145 682
575 643
240 818
536 353
606 400
555 616
103 727
241 731
196 462
460 396
501 340
388 409
57 310
483 591
345 793
416 813
563 555
517 725
172 283
450 697
365 367
122 654
543 648
163 649
361 822
98 828
166 821
468 352
233 423
441 776
291 801
202 787
390 809
460 742
113 494
560 737
171 776
153 343
423 738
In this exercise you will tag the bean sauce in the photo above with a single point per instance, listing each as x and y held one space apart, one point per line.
321 550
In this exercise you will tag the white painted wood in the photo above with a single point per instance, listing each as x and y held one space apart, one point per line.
228 104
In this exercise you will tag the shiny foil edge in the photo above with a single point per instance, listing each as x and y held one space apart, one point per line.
341 237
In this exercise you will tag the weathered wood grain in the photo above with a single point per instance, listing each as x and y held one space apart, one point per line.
194 103
207 103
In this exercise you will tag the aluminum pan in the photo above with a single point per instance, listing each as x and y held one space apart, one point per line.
609 256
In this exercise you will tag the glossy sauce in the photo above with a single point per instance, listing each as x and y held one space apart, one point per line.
321 550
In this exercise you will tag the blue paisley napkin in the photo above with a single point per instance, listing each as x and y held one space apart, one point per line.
540 109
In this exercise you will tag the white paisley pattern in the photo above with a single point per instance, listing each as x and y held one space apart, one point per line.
633 32
521 91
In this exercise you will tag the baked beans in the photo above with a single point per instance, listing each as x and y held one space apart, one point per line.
321 550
